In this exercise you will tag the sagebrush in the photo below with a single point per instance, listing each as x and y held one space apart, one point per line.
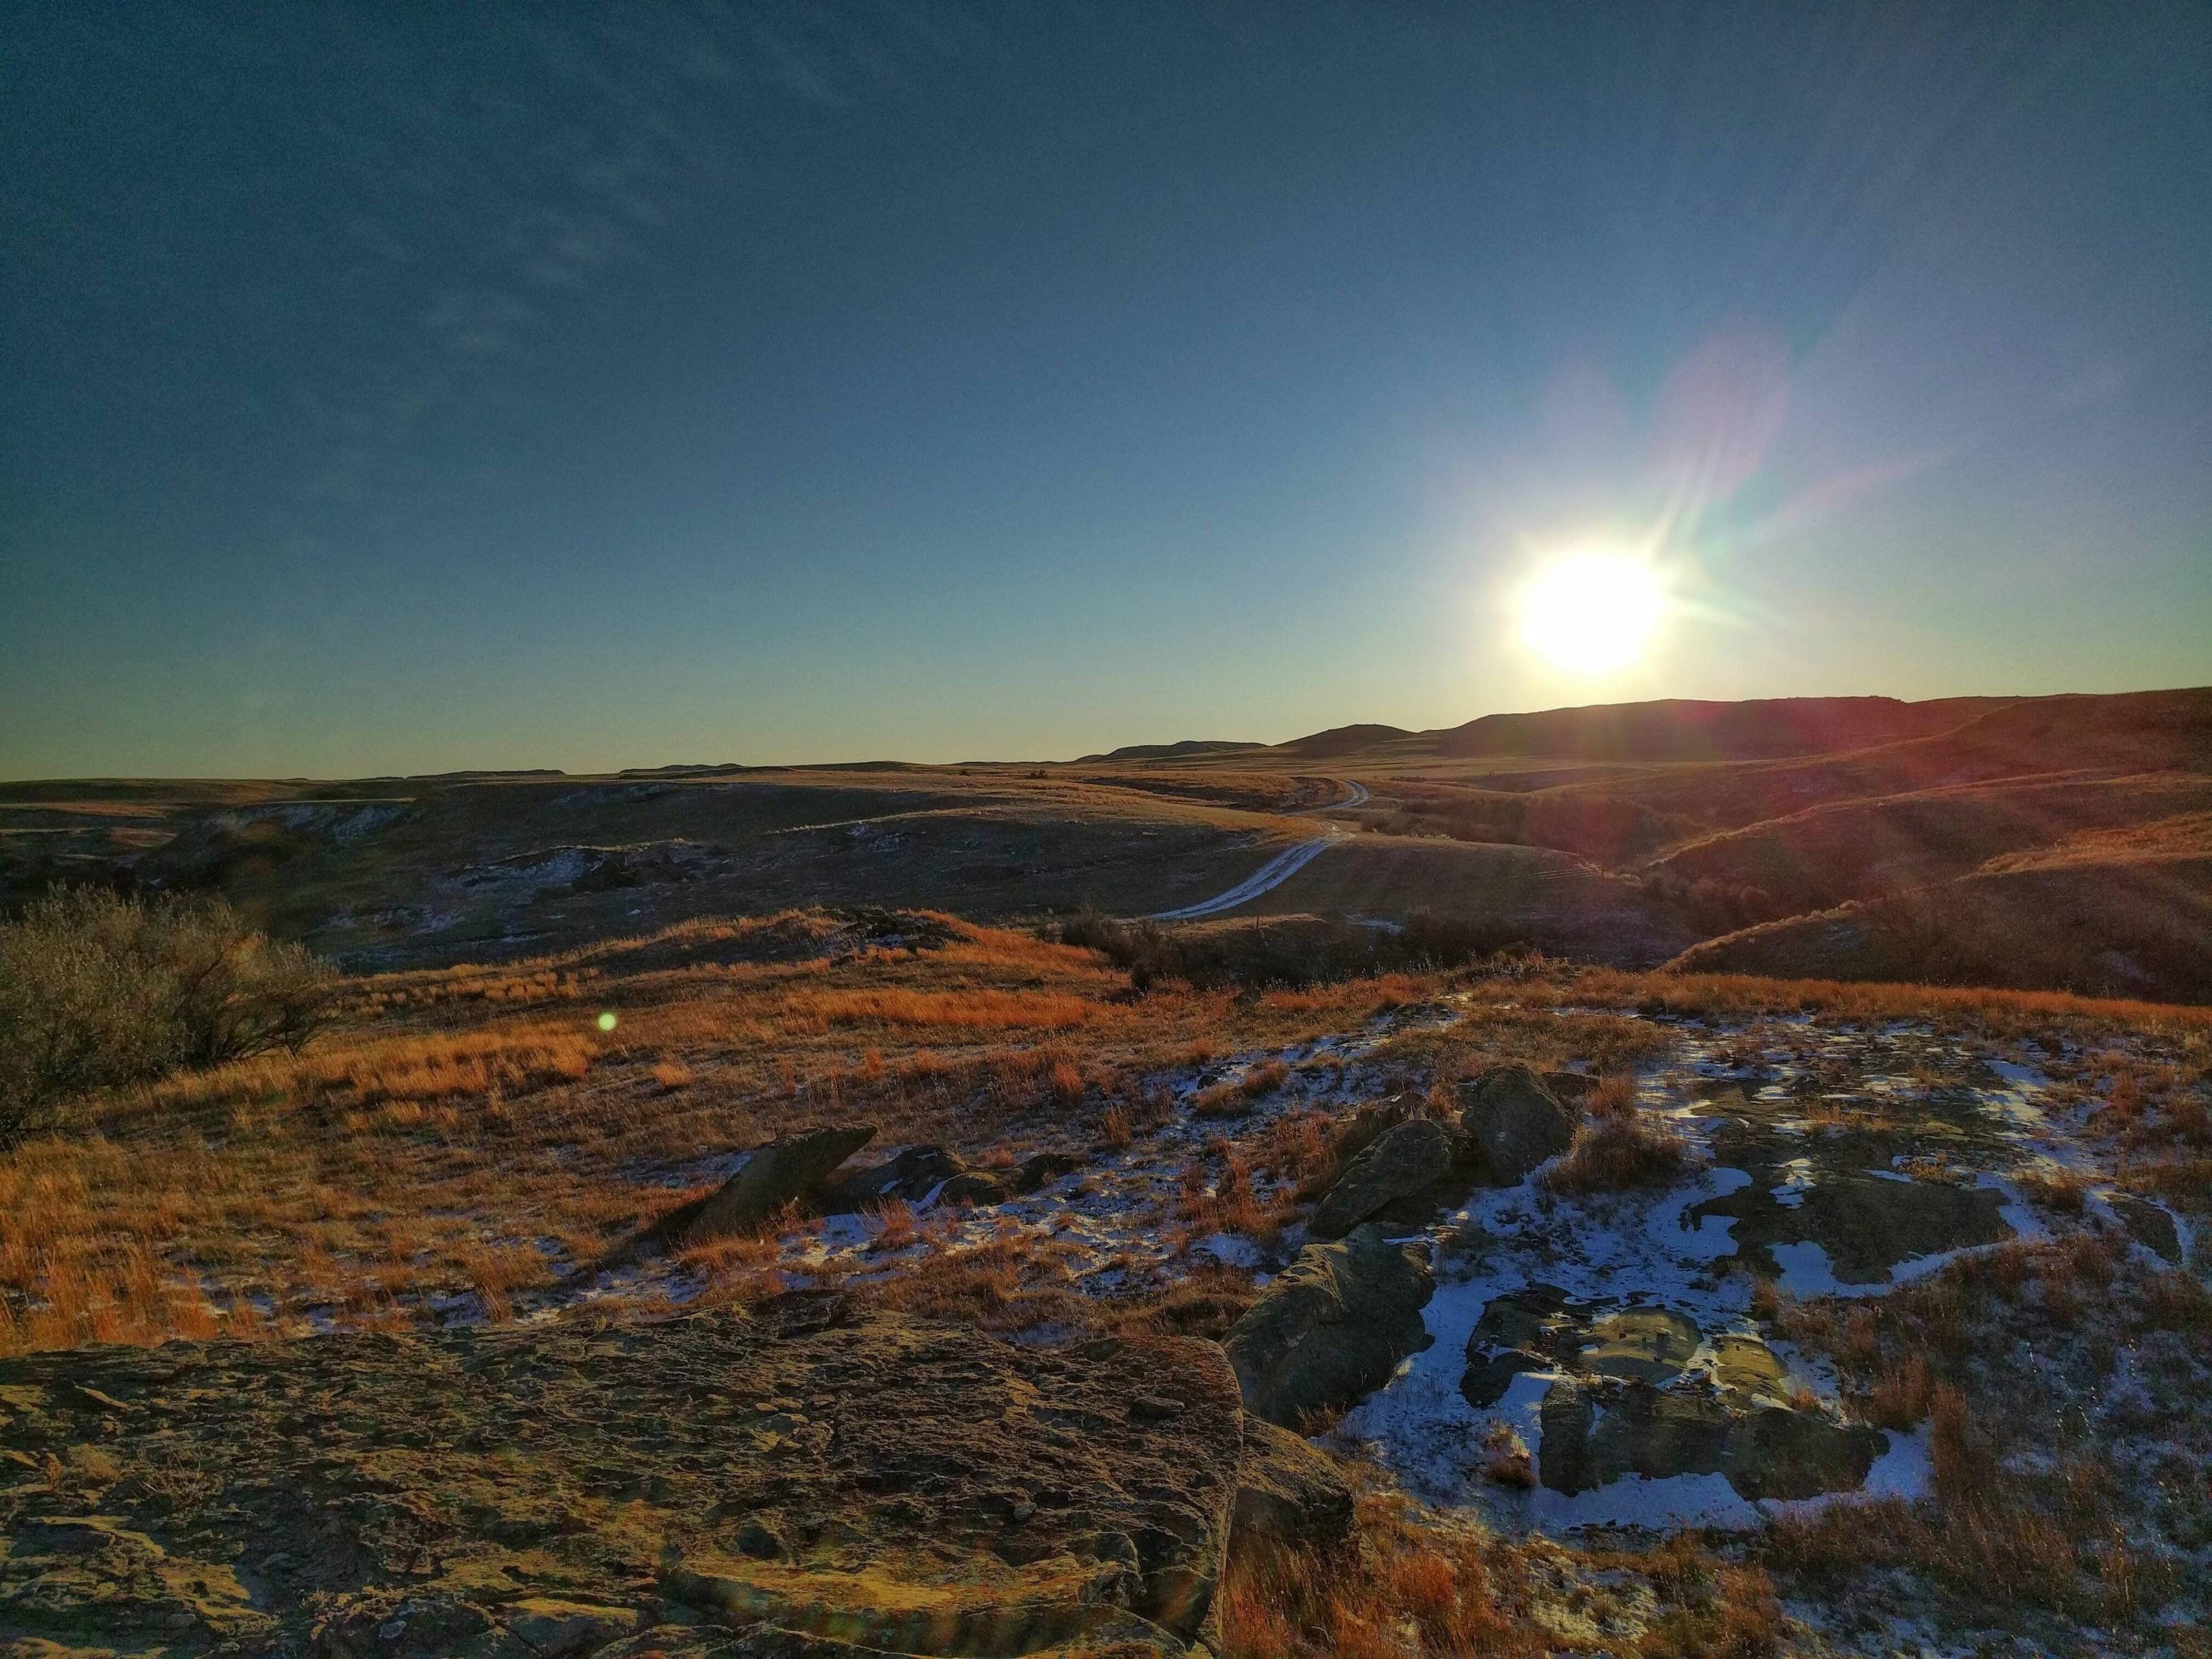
98 990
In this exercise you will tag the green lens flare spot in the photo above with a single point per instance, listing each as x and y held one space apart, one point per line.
606 1022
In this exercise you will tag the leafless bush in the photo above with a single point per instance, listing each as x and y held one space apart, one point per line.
97 990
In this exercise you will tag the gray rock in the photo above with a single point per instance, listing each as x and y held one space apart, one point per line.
1640 1345
1288 1492
1367 1124
1775 1452
792 1167
1596 1434
976 1187
1563 1422
1488 1376
1658 1435
911 1175
1332 1326
1403 1161
1515 1120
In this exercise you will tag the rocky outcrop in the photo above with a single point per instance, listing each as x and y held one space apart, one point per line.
1332 1326
1367 1124
1640 1345
1776 1452
911 1177
793 1168
1288 1492
1864 1224
2150 1225
808 1480
1640 1392
1515 1121
1017 1180
1595 1433
1402 1162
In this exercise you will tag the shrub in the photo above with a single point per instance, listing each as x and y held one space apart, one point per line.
97 990
1288 952
1619 1146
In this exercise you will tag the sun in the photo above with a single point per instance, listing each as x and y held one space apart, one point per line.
1592 610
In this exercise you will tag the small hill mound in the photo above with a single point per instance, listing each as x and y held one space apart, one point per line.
2136 731
1344 740
1188 749
1855 849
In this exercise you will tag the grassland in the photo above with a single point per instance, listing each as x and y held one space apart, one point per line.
1968 958
1857 834
467 1145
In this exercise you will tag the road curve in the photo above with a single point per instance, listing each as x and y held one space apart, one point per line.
1358 797
1271 874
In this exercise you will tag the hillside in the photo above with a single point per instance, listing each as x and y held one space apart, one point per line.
1719 833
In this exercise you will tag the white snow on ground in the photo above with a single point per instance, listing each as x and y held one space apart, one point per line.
1112 1219
1627 1251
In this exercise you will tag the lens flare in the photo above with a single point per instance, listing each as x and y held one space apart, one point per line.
1592 610
606 1022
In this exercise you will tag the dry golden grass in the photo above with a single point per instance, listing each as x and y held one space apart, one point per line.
978 1010
1411 1585
471 1132
1999 1012
1398 1591
1619 1145
2062 1540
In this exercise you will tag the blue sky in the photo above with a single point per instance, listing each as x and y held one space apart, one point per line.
400 389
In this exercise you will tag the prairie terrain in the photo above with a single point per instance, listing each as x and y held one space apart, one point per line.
1867 1201
1627 837
811 1212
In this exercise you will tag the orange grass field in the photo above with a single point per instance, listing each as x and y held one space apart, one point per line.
474 1130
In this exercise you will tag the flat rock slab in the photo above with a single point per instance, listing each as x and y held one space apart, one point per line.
1866 1224
1593 1436
811 1479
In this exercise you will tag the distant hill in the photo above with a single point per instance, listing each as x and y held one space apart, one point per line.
1189 748
1345 740
1677 729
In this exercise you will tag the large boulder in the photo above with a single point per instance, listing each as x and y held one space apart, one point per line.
792 1167
1401 1162
1596 1434
911 1177
1865 1224
1367 1124
986 1187
812 1478
1332 1326
1515 1120
1776 1452
1658 1434
1533 1328
2151 1225
1287 1492
1564 1421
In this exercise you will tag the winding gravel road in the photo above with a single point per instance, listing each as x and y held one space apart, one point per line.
1276 870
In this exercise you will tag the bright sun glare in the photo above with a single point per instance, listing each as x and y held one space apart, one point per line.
1592 611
